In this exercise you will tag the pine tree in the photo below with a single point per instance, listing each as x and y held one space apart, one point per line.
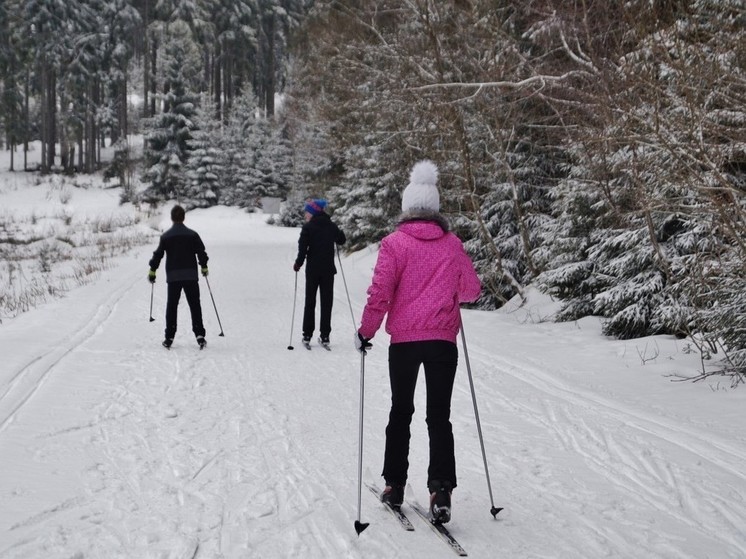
120 22
367 198
236 179
272 159
230 41
204 166
167 142
50 30
650 219
83 102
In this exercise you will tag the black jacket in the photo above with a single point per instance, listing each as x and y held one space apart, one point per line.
316 244
183 248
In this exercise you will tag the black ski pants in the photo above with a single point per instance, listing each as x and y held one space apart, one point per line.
191 291
324 284
439 359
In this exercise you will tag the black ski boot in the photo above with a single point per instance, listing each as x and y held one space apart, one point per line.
393 495
201 342
440 501
167 343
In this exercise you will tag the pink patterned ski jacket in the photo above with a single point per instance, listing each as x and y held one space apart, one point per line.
421 275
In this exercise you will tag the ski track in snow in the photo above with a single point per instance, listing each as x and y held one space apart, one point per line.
247 449
25 382
631 452
193 452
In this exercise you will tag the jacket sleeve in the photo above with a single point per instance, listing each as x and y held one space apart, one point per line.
469 285
202 257
157 255
303 241
381 290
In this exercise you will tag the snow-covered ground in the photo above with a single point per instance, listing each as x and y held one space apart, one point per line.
112 447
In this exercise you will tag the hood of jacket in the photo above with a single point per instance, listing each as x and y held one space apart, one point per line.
423 224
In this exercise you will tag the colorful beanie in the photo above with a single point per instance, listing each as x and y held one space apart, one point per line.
315 207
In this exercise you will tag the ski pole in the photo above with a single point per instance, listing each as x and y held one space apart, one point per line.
214 306
493 510
349 302
152 288
292 322
360 526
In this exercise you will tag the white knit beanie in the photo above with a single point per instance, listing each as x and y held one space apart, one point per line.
421 192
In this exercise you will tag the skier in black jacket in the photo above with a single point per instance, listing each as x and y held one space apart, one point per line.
183 248
316 245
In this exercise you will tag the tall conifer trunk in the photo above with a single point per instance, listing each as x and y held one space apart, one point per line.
270 77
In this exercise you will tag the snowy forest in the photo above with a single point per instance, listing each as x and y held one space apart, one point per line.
593 149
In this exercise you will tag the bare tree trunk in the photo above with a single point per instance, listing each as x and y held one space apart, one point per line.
44 129
98 131
217 80
227 81
116 126
270 76
81 153
121 125
65 162
26 125
207 68
146 55
52 120
153 67
89 133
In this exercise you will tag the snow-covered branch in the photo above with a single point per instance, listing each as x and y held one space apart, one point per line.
504 84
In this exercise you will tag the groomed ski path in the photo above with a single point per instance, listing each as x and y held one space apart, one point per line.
113 447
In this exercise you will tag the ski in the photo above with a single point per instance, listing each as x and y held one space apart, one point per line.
307 344
440 530
404 522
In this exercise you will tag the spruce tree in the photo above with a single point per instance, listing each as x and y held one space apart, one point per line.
367 198
204 168
650 218
167 147
236 179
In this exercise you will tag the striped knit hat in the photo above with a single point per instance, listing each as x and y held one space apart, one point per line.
315 207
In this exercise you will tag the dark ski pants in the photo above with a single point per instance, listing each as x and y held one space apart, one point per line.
324 284
191 291
439 359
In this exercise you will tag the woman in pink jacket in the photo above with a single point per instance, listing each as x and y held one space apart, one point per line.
421 276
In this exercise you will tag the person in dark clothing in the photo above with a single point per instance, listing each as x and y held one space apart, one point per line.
316 246
183 248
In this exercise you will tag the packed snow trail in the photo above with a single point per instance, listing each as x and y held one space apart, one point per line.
115 447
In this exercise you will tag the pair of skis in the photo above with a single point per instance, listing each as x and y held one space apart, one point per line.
442 532
307 344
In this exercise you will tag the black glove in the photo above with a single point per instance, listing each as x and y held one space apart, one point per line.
362 344
296 267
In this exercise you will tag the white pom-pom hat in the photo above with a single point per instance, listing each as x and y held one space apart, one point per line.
421 192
